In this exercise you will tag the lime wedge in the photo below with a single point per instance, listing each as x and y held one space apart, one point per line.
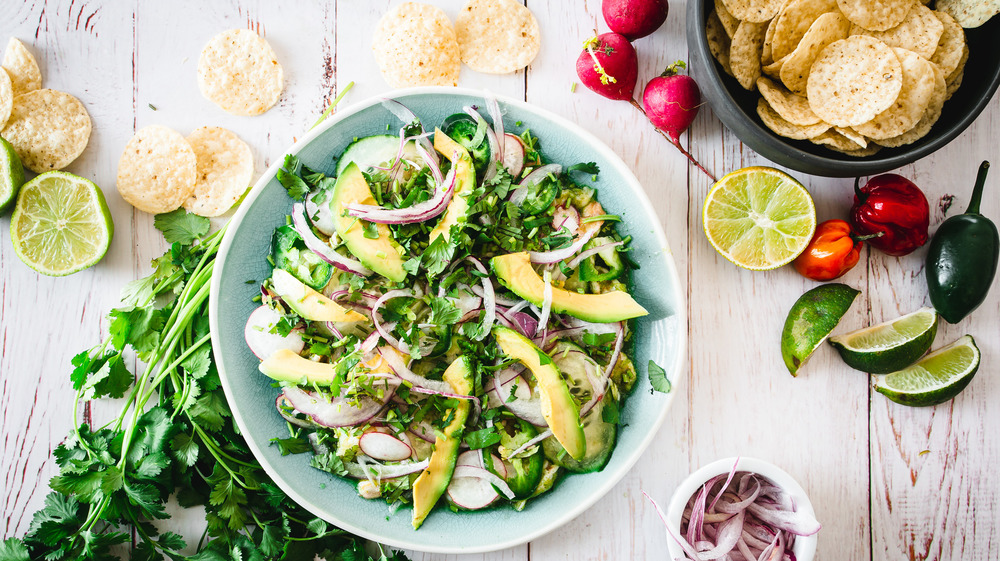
937 378
60 224
811 320
11 174
890 346
759 218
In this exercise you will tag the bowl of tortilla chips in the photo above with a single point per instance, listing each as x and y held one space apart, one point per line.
844 88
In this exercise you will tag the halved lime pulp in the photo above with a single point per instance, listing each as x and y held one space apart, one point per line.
61 224
759 218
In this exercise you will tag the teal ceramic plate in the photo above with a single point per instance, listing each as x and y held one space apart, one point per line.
659 336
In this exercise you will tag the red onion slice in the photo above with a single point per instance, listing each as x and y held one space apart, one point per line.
282 405
337 412
320 215
322 249
404 114
397 365
543 317
612 362
359 471
538 439
420 212
528 409
557 255
383 330
587 253
491 137
518 195
494 110
430 161
798 523
489 298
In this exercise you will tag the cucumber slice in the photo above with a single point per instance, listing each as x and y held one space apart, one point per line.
373 151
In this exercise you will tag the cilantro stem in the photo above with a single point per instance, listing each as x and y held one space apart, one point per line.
336 100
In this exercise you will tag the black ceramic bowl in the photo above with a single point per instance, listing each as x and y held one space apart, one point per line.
737 108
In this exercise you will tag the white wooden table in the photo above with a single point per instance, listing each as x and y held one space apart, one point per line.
887 482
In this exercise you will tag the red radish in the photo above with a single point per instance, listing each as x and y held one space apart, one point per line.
671 101
513 154
609 66
634 18
382 446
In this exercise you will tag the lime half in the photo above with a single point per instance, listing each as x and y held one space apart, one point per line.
890 346
937 378
11 174
812 317
60 224
759 218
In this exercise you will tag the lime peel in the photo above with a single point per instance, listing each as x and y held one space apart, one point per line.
811 320
888 346
937 378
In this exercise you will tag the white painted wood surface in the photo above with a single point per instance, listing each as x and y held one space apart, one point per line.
887 482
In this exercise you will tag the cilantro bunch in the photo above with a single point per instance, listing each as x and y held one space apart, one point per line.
174 437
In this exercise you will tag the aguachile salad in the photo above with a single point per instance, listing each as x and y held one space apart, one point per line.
447 316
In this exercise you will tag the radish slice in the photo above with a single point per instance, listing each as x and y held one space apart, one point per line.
471 493
262 341
566 217
524 406
472 458
283 405
320 215
382 446
513 154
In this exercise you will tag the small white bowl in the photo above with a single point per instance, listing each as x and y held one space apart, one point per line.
805 546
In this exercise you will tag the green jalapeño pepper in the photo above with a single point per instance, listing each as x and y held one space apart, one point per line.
604 265
962 259
290 253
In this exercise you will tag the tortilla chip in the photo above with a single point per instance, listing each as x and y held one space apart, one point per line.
826 29
853 80
951 46
794 21
766 56
22 68
6 97
157 170
876 15
754 11
224 170
970 13
927 121
792 108
48 129
836 141
497 36
718 42
781 127
914 98
415 45
729 22
744 54
239 72
919 32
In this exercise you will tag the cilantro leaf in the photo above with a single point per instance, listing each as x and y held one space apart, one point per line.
184 449
13 549
180 226
609 412
482 438
444 312
658 378
291 445
590 168
287 176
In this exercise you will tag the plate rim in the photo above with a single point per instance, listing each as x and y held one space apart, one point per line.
674 372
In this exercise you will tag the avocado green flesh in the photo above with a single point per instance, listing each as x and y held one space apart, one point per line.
382 255
560 411
434 480
600 435
284 365
465 174
515 272
308 303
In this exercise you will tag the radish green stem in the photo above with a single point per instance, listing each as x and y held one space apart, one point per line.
676 144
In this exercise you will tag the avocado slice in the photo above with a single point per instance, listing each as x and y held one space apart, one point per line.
515 272
382 255
560 411
434 480
287 366
572 361
308 303
465 174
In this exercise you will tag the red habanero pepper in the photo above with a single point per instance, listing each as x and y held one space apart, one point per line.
832 252
894 206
